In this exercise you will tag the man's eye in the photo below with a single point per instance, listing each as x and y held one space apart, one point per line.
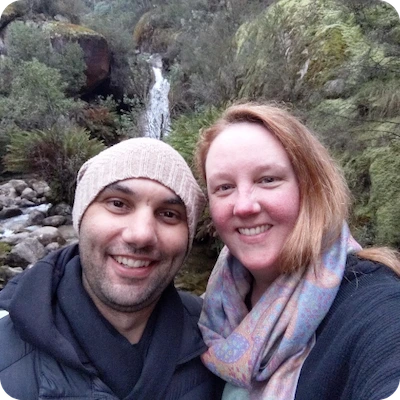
117 203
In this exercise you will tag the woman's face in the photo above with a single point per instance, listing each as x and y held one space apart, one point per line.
254 196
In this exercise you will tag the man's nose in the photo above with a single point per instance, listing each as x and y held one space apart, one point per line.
139 228
246 203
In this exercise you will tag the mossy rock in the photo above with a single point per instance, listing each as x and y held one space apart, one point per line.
10 13
70 31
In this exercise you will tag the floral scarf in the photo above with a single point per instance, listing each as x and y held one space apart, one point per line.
263 350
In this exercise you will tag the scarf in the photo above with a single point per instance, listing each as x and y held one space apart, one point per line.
263 350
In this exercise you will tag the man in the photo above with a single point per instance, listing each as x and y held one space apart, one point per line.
102 319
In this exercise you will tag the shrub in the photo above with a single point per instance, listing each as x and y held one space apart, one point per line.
55 154
36 97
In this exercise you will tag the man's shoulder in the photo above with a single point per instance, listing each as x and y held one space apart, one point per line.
192 303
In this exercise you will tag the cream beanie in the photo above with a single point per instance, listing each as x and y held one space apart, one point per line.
139 158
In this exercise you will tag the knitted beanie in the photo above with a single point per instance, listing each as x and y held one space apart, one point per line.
139 158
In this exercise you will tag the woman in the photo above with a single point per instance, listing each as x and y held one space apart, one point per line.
294 308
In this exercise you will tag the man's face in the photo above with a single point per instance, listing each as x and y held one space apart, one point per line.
133 240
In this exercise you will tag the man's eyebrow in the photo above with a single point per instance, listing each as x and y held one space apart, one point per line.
120 187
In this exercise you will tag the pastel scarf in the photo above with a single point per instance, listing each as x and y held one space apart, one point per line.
263 350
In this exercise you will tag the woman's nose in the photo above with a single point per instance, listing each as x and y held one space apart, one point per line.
139 229
246 204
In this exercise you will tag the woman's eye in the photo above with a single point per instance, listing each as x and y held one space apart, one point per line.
223 188
268 179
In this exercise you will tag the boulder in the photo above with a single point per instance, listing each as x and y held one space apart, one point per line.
48 234
68 233
26 252
36 217
9 14
335 88
29 194
60 209
18 184
54 220
94 45
9 212
41 188
15 238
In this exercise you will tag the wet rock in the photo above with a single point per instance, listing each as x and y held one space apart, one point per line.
36 217
54 220
15 238
26 252
48 234
7 272
60 209
9 212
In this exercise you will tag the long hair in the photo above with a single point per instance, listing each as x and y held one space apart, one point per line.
324 194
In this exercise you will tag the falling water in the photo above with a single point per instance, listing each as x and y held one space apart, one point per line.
157 113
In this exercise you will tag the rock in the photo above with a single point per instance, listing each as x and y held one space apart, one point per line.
54 220
41 188
95 49
48 234
7 272
62 18
53 246
60 209
24 202
29 194
15 238
9 14
6 201
335 88
36 217
18 184
68 233
8 190
9 212
26 252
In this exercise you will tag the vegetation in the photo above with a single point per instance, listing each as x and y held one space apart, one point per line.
56 154
336 62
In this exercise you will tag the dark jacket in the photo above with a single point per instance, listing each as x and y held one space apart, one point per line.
356 354
40 360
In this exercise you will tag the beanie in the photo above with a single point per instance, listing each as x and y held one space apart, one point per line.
139 158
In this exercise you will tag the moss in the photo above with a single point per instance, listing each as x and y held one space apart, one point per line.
385 194
5 248
69 30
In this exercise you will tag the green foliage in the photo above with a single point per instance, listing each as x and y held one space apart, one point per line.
36 97
380 99
26 42
70 9
100 122
71 65
55 154
185 131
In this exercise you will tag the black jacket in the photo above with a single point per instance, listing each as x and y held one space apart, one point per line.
39 358
356 354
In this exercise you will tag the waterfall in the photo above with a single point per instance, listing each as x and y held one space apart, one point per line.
157 113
